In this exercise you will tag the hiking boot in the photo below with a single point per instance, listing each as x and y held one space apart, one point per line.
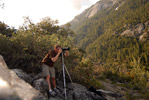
52 93
56 90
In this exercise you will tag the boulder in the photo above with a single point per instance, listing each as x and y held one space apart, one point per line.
41 85
139 29
38 76
23 75
111 95
74 91
14 88
135 31
128 32
6 92
79 92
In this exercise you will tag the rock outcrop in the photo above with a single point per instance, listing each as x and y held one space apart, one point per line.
74 91
140 31
13 87
97 7
102 4
23 75
94 9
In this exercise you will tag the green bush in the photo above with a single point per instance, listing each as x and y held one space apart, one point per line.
26 48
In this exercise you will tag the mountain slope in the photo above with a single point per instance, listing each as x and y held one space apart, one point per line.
116 39
90 12
117 18
116 32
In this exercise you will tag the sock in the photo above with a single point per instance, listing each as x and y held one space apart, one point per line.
50 90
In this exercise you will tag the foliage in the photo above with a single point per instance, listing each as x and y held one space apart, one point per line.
111 21
123 59
26 48
84 74
6 30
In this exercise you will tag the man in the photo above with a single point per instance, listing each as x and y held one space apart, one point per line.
48 68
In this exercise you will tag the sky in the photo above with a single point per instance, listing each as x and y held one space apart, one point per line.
62 10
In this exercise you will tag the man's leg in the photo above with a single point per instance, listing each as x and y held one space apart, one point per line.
52 71
48 80
47 74
54 85
54 82
52 93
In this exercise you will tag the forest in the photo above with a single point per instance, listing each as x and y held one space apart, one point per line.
118 57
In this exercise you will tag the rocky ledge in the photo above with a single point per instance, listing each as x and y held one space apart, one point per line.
17 85
14 88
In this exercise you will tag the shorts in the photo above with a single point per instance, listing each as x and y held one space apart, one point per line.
46 70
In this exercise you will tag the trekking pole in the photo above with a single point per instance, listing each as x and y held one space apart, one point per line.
63 66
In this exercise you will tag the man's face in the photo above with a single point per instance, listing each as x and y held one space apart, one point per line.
57 49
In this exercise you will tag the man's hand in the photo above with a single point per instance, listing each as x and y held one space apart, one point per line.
66 53
56 57
60 51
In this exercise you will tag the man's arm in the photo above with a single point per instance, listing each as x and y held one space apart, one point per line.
54 59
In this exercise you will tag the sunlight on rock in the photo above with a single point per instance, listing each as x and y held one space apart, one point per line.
3 84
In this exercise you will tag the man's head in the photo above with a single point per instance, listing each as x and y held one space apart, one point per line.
56 48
